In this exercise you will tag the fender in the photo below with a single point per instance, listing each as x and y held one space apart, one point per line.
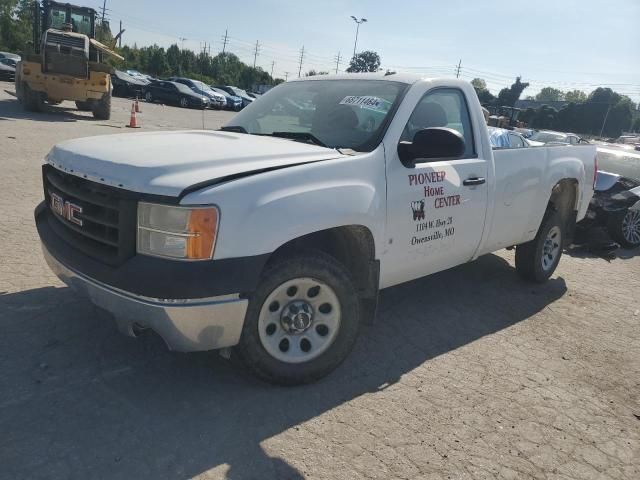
262 212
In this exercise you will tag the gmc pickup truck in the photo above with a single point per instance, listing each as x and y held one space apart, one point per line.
275 234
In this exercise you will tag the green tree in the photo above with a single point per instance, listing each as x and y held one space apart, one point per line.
312 73
484 95
509 96
575 96
479 84
550 94
366 61
635 127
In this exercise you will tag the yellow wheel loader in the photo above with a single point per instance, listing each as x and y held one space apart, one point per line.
65 62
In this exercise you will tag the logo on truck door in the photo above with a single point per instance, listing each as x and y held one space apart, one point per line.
67 210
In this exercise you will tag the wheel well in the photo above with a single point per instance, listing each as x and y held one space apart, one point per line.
564 197
351 245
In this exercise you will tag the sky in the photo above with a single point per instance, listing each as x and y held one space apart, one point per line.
565 44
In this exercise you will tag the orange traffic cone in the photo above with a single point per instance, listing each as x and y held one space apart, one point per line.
133 122
138 106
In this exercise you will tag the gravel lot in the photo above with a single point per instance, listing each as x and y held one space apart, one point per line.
470 373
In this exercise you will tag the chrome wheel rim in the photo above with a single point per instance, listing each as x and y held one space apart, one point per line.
551 248
299 320
184 102
631 227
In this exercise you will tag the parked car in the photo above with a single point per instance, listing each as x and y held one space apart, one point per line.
233 101
543 137
216 100
238 92
128 86
174 93
277 238
13 56
503 138
8 69
615 206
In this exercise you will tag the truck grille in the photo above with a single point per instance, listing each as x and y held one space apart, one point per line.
65 41
108 216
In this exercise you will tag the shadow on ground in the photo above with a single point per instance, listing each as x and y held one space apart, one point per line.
78 400
12 109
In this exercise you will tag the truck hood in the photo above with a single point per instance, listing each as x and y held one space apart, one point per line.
167 163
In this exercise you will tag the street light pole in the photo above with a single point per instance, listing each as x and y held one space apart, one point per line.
358 22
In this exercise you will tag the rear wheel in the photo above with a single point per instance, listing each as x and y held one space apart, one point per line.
83 106
148 97
537 260
302 321
624 227
102 108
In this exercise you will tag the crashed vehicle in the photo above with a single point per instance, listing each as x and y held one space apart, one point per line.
615 206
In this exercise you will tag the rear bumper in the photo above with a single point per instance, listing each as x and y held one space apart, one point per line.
186 325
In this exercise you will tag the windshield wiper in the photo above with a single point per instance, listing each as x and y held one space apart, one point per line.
309 137
234 128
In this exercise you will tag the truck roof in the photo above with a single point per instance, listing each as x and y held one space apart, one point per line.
408 78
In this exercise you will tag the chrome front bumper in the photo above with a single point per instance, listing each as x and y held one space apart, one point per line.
185 325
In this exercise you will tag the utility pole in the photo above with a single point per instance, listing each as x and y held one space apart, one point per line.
120 37
301 59
104 7
255 53
358 22
337 62
458 69
182 39
225 39
286 76
273 64
605 119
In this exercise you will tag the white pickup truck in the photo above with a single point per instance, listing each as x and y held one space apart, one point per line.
276 233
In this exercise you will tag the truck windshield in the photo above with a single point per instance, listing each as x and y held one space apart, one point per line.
339 113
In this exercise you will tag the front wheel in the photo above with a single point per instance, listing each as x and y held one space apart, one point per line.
184 102
302 321
537 260
148 97
83 106
624 227
102 108
31 99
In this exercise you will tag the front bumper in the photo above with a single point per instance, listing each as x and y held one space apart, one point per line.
186 325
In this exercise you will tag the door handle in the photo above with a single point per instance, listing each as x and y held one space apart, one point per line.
470 182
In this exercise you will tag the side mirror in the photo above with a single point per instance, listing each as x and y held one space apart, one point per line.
440 142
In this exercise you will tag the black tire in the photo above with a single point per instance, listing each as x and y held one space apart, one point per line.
529 256
32 101
102 108
148 96
184 102
320 267
618 221
84 106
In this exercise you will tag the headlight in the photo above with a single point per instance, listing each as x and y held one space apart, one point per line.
184 233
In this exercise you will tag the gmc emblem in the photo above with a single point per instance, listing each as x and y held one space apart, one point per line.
65 209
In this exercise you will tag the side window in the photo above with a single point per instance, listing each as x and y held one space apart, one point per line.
442 107
516 141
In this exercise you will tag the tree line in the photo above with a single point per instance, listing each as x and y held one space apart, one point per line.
584 113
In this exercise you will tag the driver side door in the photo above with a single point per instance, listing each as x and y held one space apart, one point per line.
435 208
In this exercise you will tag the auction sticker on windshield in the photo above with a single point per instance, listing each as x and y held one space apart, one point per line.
363 101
